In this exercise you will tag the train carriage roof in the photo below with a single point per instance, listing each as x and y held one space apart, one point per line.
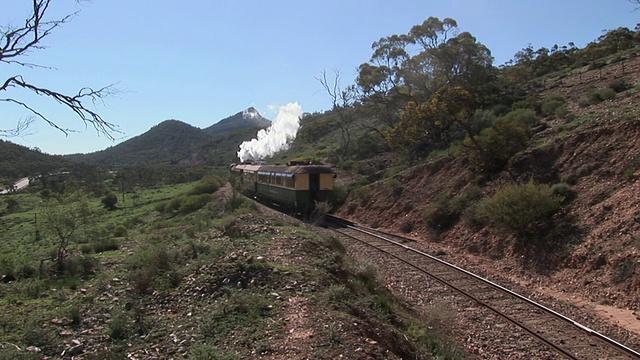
297 169
246 167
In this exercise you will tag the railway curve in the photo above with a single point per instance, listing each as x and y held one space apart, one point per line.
557 333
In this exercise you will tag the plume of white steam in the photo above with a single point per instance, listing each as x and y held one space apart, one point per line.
274 138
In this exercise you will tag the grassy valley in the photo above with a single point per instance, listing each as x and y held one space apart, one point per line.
188 270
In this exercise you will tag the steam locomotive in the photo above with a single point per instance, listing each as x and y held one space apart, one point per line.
297 185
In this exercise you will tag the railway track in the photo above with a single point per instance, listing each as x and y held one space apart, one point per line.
557 332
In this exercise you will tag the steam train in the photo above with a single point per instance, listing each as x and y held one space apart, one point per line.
295 185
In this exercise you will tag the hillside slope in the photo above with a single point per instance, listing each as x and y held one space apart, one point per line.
167 142
591 254
17 161
173 142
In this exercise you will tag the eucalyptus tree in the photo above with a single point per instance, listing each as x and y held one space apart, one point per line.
415 76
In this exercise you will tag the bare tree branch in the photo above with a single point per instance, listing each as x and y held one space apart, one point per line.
20 130
74 103
341 101
16 41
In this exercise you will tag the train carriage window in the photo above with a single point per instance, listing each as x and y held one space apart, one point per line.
289 181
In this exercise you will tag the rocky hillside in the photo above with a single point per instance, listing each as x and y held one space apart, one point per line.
590 254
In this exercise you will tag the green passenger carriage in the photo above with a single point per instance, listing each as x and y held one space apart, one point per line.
295 185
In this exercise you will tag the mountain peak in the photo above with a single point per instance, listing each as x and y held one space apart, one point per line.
251 113
248 118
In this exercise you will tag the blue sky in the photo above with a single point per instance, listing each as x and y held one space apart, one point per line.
200 61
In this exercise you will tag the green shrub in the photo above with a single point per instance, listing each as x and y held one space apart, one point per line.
499 142
366 274
493 148
86 249
620 85
336 294
367 145
35 334
75 315
120 231
104 244
228 225
109 201
149 264
562 111
445 209
482 119
174 204
118 328
524 117
606 94
16 268
393 183
12 206
551 105
519 208
438 214
143 281
207 351
434 330
565 191
361 193
193 203
338 195
184 204
81 266
31 288
207 185
406 226
161 206
596 96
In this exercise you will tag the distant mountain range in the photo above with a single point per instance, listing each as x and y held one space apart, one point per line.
170 142
176 142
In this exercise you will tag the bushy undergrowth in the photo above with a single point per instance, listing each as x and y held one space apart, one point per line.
555 105
120 231
339 195
495 145
565 191
207 185
184 204
362 194
101 245
598 95
153 267
445 210
520 209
